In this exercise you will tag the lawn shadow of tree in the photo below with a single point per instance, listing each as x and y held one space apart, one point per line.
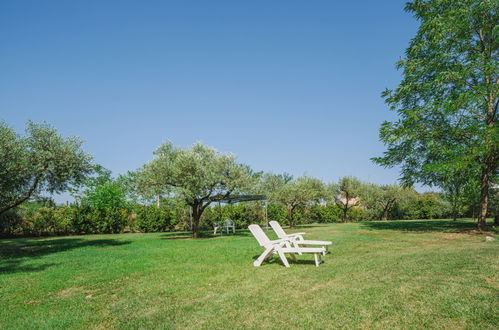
204 235
15 252
422 226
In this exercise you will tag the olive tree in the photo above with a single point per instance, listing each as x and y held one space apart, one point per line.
295 193
41 161
347 193
199 176
384 198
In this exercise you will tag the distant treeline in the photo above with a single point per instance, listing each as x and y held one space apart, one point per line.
43 217
185 189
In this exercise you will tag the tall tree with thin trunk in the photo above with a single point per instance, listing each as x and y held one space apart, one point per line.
448 98
199 176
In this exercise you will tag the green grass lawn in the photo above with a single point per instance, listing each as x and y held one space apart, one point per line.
397 274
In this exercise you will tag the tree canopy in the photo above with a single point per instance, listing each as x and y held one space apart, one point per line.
199 176
296 193
41 161
348 193
447 100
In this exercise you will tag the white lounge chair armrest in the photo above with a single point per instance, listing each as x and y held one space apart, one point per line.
279 241
296 234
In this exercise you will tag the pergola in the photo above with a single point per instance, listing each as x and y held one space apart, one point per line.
245 198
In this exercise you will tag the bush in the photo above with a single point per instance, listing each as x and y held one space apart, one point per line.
12 223
152 219
277 212
112 220
325 213
358 213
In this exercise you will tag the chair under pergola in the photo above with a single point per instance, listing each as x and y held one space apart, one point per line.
229 224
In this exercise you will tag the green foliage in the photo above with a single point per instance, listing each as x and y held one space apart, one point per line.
277 212
103 192
349 193
42 161
380 200
324 213
112 220
198 176
298 193
150 218
423 206
447 100
12 223
85 219
358 214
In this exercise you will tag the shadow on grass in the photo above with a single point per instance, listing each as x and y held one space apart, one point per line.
13 253
204 235
274 259
446 226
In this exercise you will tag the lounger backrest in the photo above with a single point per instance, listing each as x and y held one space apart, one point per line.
260 236
278 229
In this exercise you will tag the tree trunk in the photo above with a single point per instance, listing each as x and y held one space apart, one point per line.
484 196
489 163
345 212
196 216
385 213
454 208
157 201
290 217
21 200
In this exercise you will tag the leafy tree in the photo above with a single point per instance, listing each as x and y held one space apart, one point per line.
42 161
103 192
129 184
385 197
103 203
447 99
494 201
455 186
271 183
199 176
298 193
347 194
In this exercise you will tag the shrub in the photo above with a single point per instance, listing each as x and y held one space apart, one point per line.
358 213
12 223
112 220
277 212
325 213
149 218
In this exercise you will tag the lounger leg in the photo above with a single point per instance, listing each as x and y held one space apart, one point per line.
283 257
316 260
263 256
296 245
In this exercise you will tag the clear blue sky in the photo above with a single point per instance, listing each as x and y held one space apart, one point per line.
288 86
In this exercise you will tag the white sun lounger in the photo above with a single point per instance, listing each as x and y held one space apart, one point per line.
297 238
280 247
